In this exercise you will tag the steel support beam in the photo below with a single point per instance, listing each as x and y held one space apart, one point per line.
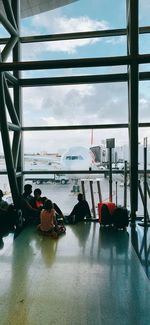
7 25
70 63
78 35
16 148
9 46
6 144
10 152
75 63
81 35
87 79
132 41
9 13
10 105
12 80
18 153
82 127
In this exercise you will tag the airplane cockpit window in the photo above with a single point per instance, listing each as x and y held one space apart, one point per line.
77 158
74 157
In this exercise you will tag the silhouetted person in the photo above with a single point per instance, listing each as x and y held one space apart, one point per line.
38 201
7 215
3 203
30 214
80 210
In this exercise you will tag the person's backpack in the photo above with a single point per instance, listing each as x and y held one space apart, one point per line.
120 218
106 218
105 211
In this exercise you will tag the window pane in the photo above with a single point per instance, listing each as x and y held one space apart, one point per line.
75 105
144 44
74 49
144 9
144 102
58 151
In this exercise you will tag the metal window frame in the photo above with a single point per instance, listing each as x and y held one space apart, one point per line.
14 155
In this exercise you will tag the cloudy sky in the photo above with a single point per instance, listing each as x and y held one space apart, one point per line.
80 104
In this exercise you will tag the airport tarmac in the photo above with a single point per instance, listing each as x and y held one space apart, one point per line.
66 197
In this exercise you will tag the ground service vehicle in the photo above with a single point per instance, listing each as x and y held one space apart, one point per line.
53 178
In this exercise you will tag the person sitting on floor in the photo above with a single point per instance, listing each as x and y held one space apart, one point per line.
38 201
30 214
3 204
7 215
48 223
3 212
80 210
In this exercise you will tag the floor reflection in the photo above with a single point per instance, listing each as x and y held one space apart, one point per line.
5 234
140 238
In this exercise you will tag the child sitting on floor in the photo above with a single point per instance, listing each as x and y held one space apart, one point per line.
48 223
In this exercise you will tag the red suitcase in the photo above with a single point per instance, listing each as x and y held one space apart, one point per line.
110 207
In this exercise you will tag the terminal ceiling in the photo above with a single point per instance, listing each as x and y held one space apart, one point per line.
34 7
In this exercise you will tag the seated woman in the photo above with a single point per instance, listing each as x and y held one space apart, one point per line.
48 225
38 202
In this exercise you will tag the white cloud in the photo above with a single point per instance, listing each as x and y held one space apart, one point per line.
116 40
51 24
78 104
64 24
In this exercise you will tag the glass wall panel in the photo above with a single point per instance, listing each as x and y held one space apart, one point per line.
65 195
74 49
144 102
59 153
144 43
144 9
75 105
144 67
47 147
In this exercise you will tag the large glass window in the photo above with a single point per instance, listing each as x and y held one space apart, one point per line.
144 103
75 105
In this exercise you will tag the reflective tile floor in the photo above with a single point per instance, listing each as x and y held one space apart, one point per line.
140 238
89 276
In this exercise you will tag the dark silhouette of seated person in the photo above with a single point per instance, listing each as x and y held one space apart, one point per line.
30 213
38 201
3 212
7 215
3 204
80 210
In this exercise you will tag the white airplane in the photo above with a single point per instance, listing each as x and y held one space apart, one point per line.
74 158
78 158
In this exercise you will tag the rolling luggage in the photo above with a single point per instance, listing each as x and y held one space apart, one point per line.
120 218
105 211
